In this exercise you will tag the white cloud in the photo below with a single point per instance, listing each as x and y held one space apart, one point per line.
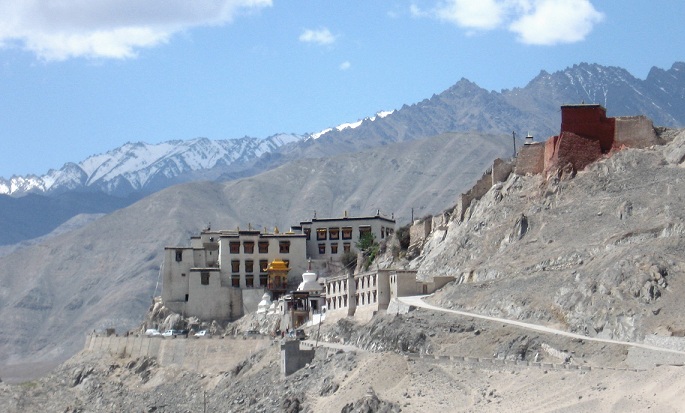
480 14
345 65
557 21
58 30
321 36
538 22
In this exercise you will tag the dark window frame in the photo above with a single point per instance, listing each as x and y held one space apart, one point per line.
248 247
234 247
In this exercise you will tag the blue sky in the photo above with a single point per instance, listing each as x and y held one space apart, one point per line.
81 77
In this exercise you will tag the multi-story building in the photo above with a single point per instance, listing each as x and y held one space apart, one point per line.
329 238
373 290
223 273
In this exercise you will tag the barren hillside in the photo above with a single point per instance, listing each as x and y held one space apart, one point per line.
104 274
600 253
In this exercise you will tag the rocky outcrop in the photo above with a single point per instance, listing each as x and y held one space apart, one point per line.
594 252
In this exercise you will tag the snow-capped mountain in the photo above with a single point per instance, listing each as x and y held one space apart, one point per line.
103 183
143 167
352 125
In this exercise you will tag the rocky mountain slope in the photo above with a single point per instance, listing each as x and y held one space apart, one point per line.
599 253
384 374
103 274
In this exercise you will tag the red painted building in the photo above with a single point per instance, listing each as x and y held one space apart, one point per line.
589 121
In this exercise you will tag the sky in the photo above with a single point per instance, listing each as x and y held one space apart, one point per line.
82 77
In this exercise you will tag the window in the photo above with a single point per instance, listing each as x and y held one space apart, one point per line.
235 266
263 247
346 247
347 233
204 278
382 232
322 248
186 298
234 247
249 266
334 248
183 274
179 255
284 247
262 280
364 230
235 281
263 265
248 247
308 233
321 234
249 280
334 233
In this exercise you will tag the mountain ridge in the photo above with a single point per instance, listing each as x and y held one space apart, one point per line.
135 166
462 107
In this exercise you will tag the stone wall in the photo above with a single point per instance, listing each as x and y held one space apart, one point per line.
635 132
501 170
480 188
530 159
419 231
198 354
292 358
569 148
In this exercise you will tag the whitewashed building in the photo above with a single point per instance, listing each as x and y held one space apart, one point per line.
223 274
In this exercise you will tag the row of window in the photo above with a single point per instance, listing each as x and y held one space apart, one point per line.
262 247
250 265
341 286
345 233
334 248
235 280
248 248
359 299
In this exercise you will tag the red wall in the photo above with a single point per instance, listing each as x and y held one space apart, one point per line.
589 121
576 150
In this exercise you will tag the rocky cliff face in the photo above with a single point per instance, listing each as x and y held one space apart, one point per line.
600 252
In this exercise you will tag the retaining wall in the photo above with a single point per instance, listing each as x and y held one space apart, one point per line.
199 354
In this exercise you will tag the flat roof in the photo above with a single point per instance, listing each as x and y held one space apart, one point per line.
582 105
344 219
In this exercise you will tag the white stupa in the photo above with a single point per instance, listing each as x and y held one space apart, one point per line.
264 305
309 282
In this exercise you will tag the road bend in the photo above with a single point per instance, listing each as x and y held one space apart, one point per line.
417 301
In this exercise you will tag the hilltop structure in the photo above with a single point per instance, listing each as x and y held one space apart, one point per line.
586 135
224 274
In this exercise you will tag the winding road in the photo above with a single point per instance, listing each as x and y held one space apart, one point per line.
417 301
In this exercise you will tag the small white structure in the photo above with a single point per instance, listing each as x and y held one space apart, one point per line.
265 304
309 283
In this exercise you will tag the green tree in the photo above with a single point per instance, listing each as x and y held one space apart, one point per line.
369 247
